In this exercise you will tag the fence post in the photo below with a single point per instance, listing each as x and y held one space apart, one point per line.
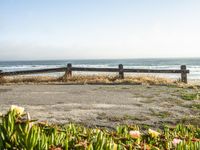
69 71
0 74
183 74
121 71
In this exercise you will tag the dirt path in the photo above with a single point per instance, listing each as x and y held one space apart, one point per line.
103 105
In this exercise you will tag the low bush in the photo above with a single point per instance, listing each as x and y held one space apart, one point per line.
18 131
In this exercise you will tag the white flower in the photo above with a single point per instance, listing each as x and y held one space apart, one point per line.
19 110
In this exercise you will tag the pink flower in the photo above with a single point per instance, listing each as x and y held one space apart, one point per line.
176 141
135 134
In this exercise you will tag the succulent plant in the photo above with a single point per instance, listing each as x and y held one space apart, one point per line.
18 131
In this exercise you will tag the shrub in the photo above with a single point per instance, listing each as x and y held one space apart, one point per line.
18 131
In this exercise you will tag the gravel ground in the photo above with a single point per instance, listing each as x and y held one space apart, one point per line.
103 105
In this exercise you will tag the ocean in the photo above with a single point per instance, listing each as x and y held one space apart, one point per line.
193 64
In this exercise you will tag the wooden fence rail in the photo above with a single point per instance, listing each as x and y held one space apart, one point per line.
68 71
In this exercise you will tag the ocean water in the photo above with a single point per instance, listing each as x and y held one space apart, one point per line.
193 64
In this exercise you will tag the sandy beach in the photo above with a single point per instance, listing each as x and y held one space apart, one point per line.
103 105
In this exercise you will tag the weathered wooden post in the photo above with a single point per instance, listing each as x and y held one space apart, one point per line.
121 71
0 74
183 73
68 73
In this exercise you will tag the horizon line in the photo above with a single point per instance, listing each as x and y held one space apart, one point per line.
74 59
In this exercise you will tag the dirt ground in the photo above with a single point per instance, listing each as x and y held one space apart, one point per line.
103 105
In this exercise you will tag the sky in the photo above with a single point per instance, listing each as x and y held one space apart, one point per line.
99 29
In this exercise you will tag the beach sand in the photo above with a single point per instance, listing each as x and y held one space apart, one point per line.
103 105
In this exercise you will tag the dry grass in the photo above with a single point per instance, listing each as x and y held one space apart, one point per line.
2 80
95 79
28 79
114 79
90 79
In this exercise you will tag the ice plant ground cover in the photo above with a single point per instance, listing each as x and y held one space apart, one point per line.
18 131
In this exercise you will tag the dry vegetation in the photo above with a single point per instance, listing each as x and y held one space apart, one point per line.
89 79
115 79
94 79
28 79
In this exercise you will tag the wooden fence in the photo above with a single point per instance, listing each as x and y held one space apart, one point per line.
68 71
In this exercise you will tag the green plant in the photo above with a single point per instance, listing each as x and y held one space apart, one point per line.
190 96
18 131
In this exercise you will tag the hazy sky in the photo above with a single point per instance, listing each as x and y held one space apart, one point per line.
91 29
